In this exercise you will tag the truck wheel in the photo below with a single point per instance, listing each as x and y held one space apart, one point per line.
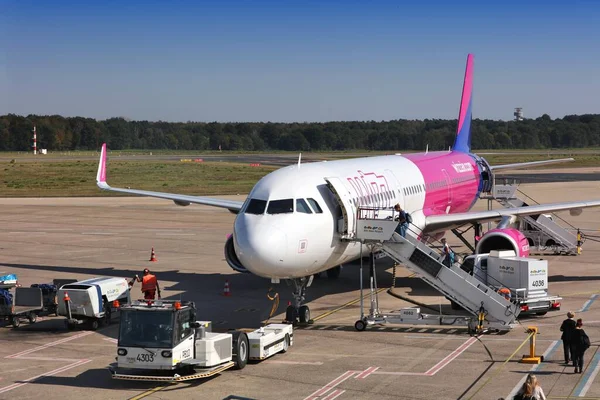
15 321
94 324
32 317
240 349
286 343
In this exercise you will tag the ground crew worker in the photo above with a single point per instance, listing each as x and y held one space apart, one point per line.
149 285
505 292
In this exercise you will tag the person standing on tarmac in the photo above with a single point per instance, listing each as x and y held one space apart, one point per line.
149 285
567 327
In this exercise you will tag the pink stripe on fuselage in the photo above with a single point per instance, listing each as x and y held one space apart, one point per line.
466 94
451 179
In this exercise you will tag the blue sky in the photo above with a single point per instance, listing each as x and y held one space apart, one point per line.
297 61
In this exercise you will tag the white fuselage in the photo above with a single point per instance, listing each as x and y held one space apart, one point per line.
277 241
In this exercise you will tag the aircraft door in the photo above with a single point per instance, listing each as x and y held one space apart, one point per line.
394 183
346 225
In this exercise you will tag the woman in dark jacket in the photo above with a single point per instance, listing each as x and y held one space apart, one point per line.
579 344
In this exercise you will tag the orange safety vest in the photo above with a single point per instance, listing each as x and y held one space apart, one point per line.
148 283
505 292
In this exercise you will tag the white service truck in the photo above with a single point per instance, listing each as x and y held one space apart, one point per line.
525 278
162 341
92 301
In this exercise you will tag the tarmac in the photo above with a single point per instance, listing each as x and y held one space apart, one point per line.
44 239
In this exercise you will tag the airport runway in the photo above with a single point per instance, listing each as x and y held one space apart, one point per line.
43 239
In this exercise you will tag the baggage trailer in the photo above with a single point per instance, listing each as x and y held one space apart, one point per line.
92 301
162 341
27 303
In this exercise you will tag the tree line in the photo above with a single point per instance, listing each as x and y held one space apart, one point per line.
57 133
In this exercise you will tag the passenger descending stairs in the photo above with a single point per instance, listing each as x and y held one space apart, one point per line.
453 282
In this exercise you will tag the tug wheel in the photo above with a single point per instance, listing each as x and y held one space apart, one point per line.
240 349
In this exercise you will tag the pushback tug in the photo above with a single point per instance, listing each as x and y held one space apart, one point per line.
162 341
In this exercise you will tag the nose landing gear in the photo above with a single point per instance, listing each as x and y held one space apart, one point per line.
297 312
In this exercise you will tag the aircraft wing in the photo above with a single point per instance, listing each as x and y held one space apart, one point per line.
434 223
530 164
179 199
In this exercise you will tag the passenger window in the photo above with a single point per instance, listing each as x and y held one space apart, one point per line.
315 206
256 206
284 206
302 207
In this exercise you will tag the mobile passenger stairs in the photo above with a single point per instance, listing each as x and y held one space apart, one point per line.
542 230
490 311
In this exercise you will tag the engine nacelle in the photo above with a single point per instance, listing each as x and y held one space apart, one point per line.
232 258
503 239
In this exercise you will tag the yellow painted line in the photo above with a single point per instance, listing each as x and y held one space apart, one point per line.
149 392
328 313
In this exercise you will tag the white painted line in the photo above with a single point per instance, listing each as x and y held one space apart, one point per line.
366 373
49 359
590 380
334 395
111 340
51 344
53 372
423 330
320 392
294 362
399 373
175 234
395 329
452 331
533 368
433 370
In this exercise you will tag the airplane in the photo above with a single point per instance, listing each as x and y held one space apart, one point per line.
292 223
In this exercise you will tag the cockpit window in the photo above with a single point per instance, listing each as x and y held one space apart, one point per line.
256 206
315 206
302 207
281 206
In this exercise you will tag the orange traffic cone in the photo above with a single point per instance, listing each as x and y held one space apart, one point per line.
226 291
153 256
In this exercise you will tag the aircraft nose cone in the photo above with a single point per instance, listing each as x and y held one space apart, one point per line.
260 246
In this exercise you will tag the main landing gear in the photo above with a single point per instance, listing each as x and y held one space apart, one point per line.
298 312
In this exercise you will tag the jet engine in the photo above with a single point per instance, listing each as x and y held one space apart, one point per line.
503 239
232 258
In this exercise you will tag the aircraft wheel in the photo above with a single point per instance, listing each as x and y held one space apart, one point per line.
290 314
304 314
15 321
240 349
360 325
32 317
